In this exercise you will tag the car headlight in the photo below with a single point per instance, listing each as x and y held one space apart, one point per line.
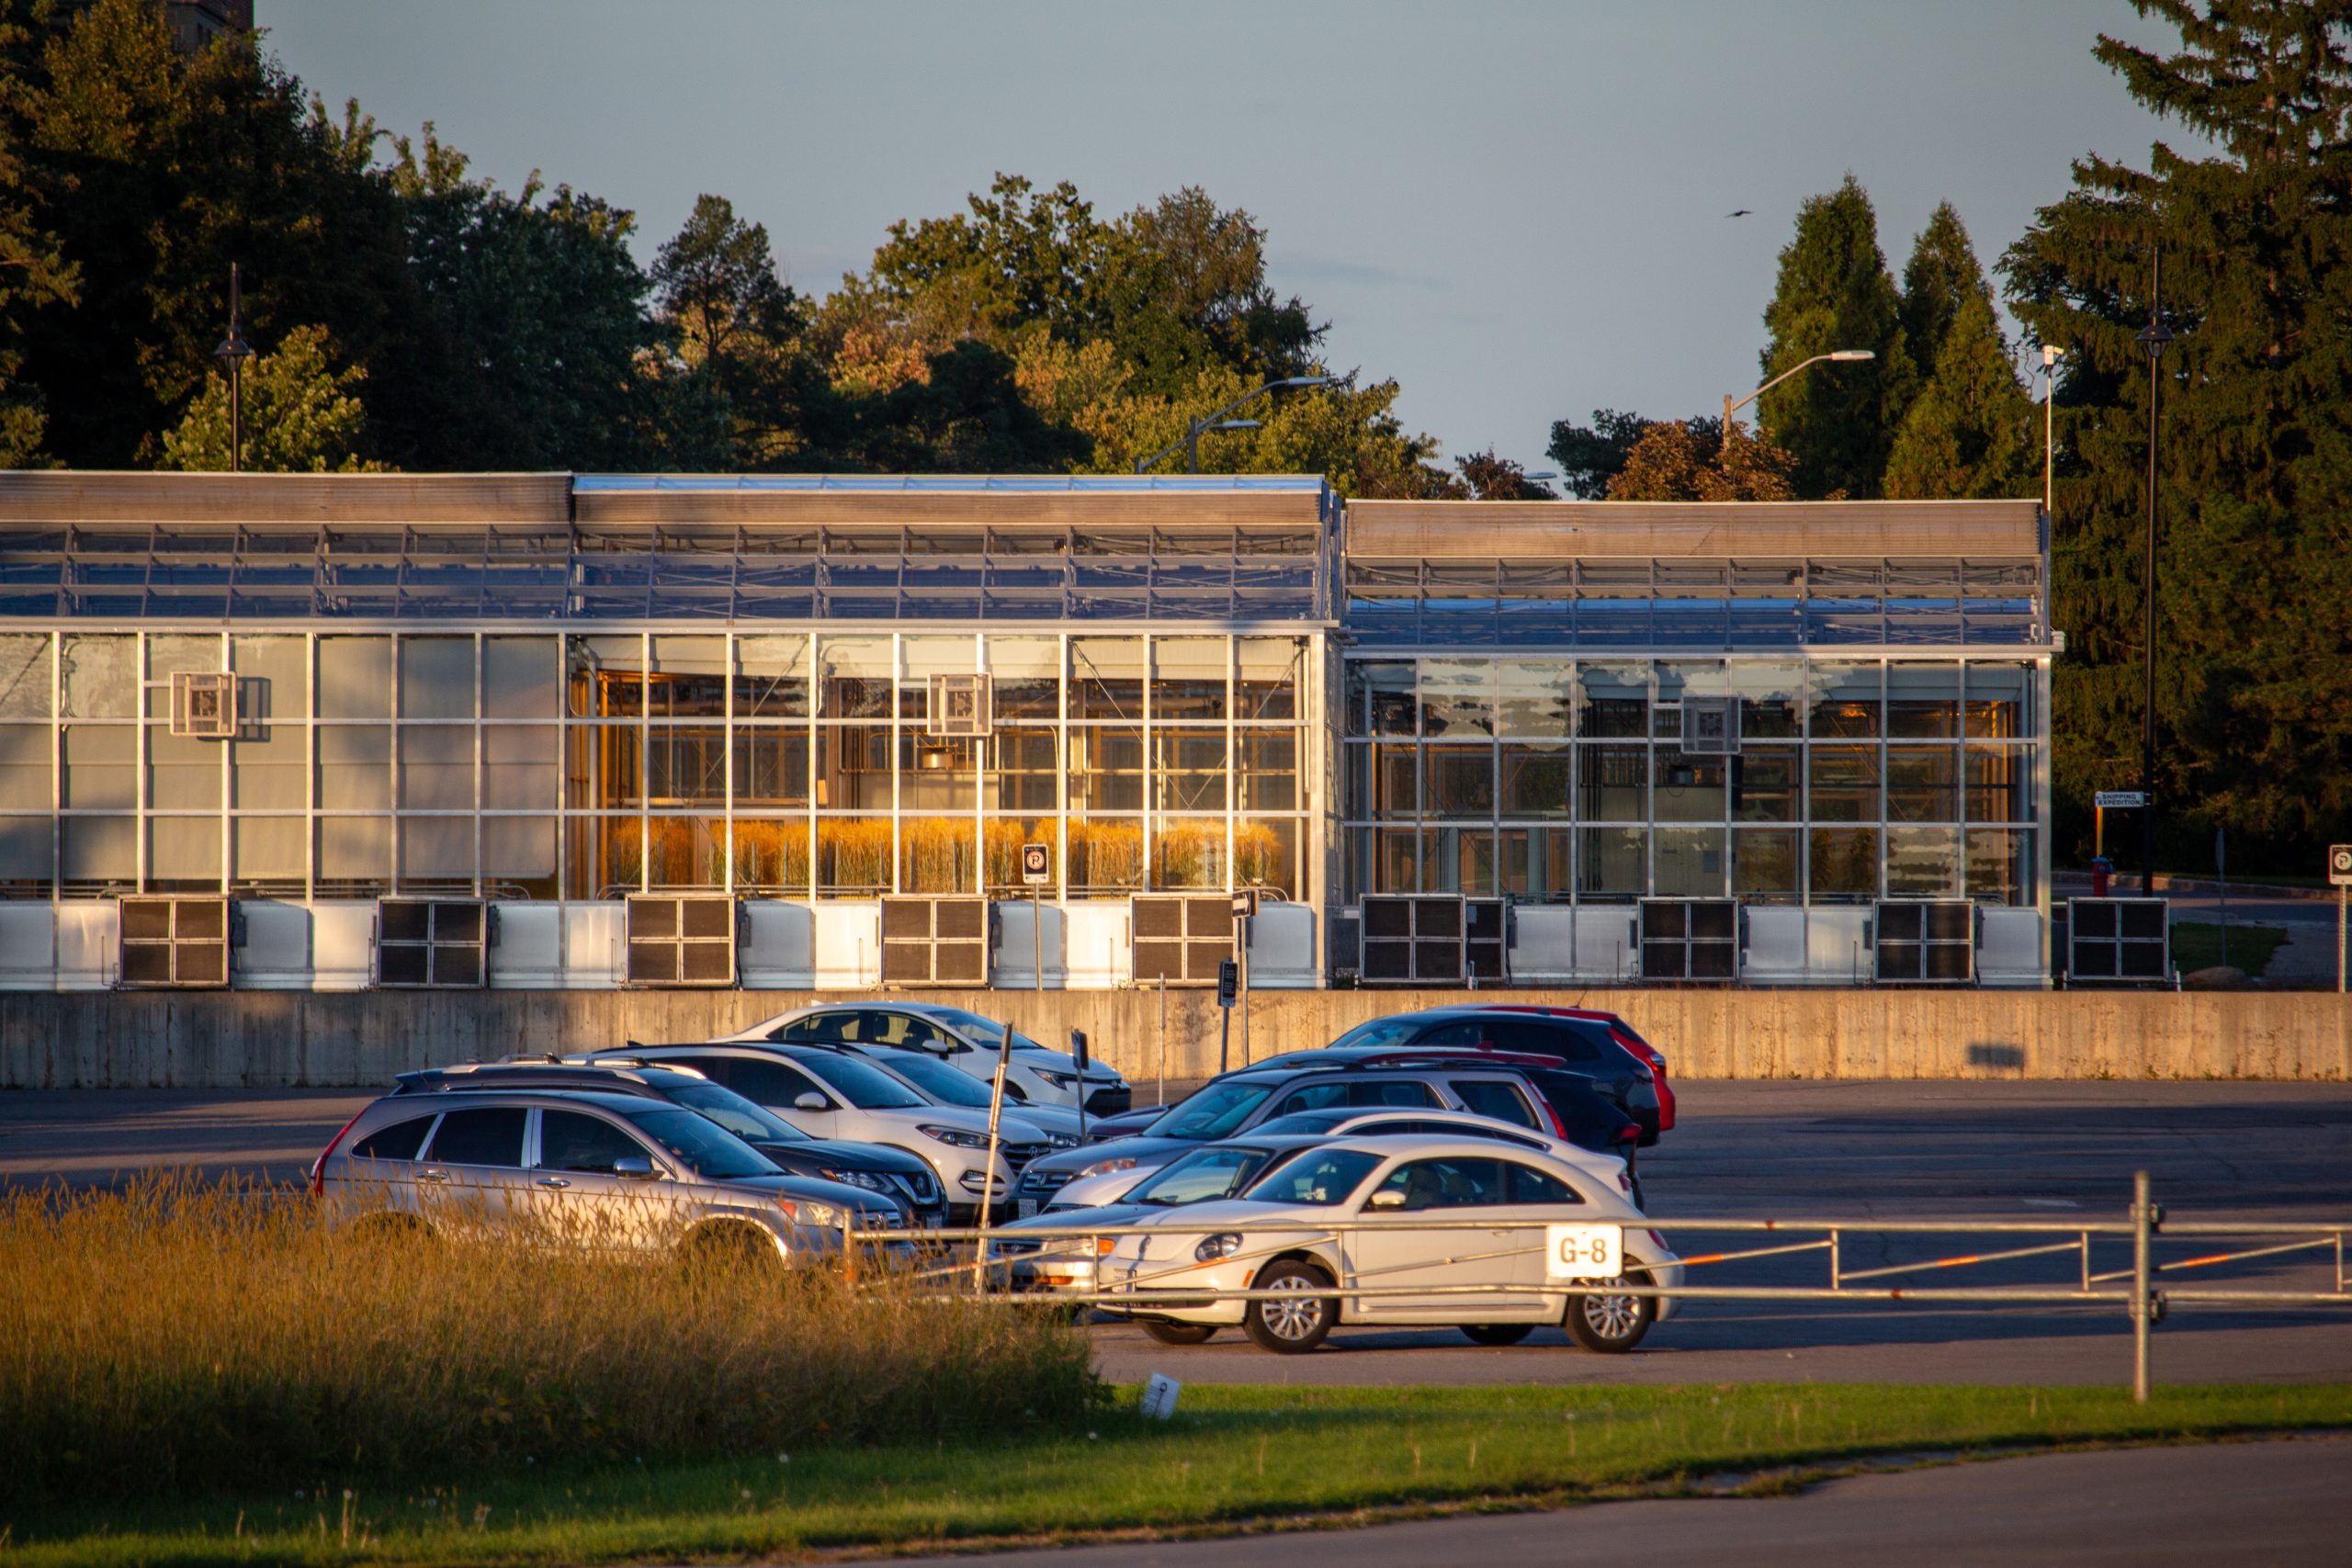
807 1212
1225 1244
1059 1080
956 1135
1062 1140
1105 1167
865 1179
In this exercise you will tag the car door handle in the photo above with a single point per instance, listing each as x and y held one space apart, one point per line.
553 1181
432 1176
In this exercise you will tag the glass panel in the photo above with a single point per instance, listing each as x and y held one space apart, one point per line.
437 853
853 855
437 768
169 653
1464 863
1997 784
1771 697
2000 701
772 677
101 677
925 657
268 853
518 856
519 767
1106 678
1105 855
1188 678
522 677
771 766
1764 863
1106 769
1844 864
354 677
1266 854
853 767
1767 784
772 855
24 677
1613 783
1538 698
607 677
2000 864
1268 686
1922 784
1923 700
101 765
1388 693
685 852
1266 770
273 680
1024 769
25 766
687 678
853 677
184 856
27 856
1688 789
938 772
1616 699
1614 862
437 677
1458 697
354 767
1026 673
1397 857
1188 853
355 856
1923 862
685 764
606 766
183 772
1845 783
1537 780
1188 770
98 854
1459 782
603 856
1845 701
268 773
1690 863
1385 781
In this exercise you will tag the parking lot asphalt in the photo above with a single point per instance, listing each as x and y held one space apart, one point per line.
1853 1150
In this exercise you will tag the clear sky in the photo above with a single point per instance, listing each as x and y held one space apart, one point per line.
1516 209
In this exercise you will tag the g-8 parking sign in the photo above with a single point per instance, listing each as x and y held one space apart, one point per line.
1583 1252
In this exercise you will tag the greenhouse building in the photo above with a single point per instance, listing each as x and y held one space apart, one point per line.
586 731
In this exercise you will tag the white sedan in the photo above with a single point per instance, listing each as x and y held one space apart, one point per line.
1402 1231
964 1040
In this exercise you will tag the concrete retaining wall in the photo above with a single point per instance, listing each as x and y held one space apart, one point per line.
260 1038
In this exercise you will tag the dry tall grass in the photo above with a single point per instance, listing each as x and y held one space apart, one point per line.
181 1336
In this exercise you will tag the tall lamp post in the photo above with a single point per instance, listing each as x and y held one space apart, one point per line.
1195 428
232 353
1840 355
2155 340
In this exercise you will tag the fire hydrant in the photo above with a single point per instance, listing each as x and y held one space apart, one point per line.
2102 873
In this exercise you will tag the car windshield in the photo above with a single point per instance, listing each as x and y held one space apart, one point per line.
935 1078
703 1146
1314 1177
1379 1031
1212 1112
737 1115
985 1033
862 1084
1217 1172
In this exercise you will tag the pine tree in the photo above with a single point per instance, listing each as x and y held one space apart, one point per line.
1968 435
1939 276
2255 610
1836 420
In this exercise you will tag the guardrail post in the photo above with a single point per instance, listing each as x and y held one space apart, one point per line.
848 1245
1833 1260
2143 1215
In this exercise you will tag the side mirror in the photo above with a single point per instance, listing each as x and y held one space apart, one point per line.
812 1100
1387 1198
634 1167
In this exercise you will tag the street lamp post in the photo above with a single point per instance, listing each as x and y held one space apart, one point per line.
1841 357
2155 340
2051 356
232 353
1195 428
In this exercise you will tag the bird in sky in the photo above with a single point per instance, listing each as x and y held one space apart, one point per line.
1741 213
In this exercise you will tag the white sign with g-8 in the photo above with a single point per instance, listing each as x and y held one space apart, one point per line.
1583 1252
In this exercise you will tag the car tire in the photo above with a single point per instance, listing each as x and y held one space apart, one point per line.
1496 1334
730 1247
1178 1332
1610 1325
1292 1327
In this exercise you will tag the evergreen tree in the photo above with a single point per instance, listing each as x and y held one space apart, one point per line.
300 414
1837 421
1968 433
1937 279
2254 612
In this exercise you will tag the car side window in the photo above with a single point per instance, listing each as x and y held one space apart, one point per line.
768 1083
822 1029
1580 1040
1461 1032
1492 1097
1528 1185
571 1140
492 1135
1451 1183
399 1141
719 1070
1313 1097
905 1029
1392 1091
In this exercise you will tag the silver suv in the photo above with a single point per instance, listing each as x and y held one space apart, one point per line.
610 1171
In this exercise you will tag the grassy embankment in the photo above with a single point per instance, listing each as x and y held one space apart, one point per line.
2197 944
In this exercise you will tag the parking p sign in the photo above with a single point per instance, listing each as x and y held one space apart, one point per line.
2339 865
1036 864
1583 1252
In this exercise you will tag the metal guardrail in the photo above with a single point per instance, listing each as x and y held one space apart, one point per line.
2143 1226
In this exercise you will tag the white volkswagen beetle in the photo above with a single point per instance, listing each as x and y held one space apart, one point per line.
1401 1231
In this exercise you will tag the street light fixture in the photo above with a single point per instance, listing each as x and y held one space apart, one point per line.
232 353
1195 428
2154 339
1836 355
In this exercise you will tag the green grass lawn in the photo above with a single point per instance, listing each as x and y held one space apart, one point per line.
1230 1456
2197 944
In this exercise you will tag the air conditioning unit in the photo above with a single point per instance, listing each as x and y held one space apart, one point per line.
961 704
179 944
935 941
1711 727
204 703
433 943
682 941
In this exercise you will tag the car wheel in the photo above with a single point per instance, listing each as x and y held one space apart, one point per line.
729 1248
1611 1325
1178 1332
1498 1333
1291 1327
